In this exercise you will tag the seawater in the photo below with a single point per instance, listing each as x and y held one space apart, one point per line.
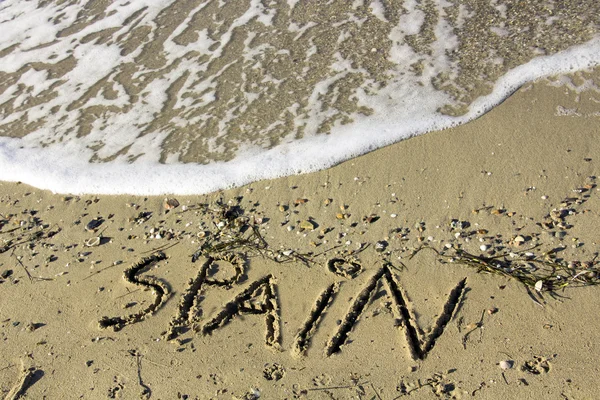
188 97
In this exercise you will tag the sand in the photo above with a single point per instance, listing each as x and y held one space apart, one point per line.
284 319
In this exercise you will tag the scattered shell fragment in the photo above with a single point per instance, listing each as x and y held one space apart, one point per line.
369 219
506 364
91 242
539 286
327 201
170 204
497 211
381 246
307 225
300 201
340 216
518 240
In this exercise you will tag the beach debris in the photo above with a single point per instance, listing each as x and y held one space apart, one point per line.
94 224
369 219
252 394
92 242
459 225
170 204
506 364
141 217
327 201
539 285
307 225
518 240
300 201
381 246
283 208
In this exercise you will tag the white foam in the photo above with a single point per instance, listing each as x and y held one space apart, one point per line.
58 170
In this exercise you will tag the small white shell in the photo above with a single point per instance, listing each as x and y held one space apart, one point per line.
539 285
91 242
506 364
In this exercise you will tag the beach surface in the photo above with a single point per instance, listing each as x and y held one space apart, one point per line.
348 283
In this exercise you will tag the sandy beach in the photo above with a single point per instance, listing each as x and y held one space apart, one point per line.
325 285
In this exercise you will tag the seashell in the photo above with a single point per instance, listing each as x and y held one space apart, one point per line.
506 364
91 242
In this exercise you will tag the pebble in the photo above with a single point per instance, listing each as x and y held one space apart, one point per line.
170 204
307 225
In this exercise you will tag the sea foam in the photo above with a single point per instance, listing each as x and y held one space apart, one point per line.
86 106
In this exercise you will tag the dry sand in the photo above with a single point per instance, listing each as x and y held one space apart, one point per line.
503 174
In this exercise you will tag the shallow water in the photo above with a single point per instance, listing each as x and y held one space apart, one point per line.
200 95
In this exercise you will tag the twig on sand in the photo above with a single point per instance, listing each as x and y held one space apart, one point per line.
337 387
146 392
22 265
160 248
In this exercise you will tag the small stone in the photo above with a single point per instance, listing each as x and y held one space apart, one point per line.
340 216
492 310
300 201
484 247
94 224
282 208
307 225
170 204
560 234
327 201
